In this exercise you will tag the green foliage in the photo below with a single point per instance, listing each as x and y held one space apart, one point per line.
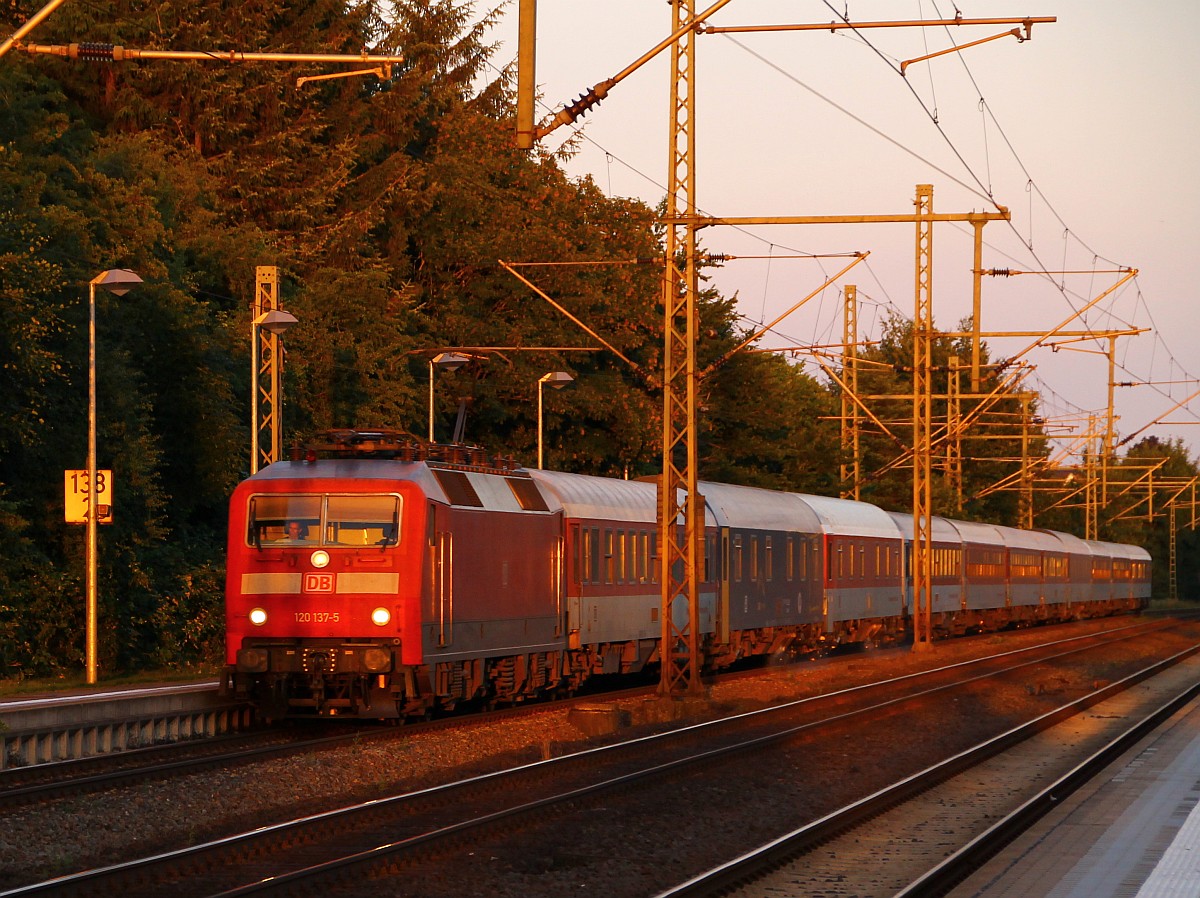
388 206
1134 518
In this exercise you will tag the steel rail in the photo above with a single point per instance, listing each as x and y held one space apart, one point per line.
223 852
752 865
980 849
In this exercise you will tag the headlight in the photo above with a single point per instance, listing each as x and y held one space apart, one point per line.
380 617
319 558
258 616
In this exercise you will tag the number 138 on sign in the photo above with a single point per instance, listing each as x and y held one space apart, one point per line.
78 497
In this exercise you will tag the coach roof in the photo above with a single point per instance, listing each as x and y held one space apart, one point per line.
845 517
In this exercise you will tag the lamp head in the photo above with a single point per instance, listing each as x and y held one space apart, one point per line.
556 379
117 281
276 321
451 361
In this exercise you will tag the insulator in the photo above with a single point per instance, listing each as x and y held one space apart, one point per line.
587 100
94 52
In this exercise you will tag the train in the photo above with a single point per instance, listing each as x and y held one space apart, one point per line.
376 576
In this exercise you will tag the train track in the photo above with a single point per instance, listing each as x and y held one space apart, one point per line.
423 828
44 782
954 816
24 785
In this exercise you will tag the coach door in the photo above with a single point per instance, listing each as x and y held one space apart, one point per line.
443 585
906 580
721 575
580 555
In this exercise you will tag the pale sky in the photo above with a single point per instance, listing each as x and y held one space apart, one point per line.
1086 133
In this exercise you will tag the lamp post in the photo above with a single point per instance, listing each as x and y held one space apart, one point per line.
451 361
267 323
558 380
264 360
117 281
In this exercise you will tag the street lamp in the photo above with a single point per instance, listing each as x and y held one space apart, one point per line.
264 360
117 281
451 361
558 380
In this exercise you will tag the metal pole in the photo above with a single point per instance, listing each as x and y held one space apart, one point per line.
39 17
92 542
431 400
526 77
541 381
254 390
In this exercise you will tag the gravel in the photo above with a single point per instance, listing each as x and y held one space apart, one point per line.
97 828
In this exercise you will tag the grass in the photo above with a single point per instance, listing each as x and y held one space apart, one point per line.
1173 605
18 686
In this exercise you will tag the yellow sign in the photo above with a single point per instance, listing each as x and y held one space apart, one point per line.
77 497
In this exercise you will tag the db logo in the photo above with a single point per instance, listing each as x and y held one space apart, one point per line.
318 582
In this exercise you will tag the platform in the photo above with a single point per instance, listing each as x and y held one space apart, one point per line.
1132 832
64 726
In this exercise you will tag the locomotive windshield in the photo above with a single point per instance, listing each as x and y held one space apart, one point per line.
323 520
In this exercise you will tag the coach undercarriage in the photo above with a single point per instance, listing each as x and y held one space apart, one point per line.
313 686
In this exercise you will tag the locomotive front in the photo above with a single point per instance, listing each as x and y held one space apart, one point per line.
323 587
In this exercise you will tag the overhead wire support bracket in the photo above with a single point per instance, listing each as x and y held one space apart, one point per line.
958 48
1027 22
102 52
383 73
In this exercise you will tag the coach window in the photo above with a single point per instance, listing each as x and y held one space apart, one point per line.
594 556
768 562
737 557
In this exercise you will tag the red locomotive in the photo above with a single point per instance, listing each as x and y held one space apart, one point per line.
377 577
